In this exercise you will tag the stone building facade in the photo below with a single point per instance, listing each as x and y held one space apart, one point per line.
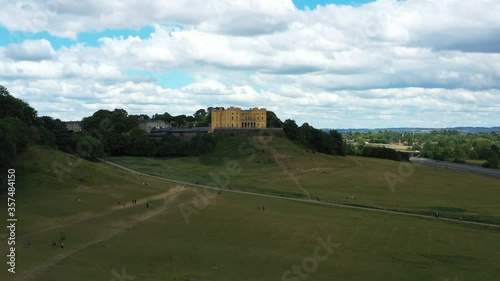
148 125
74 126
235 117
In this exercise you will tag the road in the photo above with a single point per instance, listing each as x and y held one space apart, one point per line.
457 167
305 200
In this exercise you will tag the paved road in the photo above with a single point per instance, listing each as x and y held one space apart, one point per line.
457 167
304 200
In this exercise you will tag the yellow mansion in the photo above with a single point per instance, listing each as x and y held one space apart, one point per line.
235 117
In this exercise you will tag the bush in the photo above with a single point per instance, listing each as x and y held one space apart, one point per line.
385 153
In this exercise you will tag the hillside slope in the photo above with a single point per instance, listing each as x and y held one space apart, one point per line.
278 166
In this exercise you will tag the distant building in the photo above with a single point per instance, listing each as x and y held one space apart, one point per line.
148 125
235 117
179 132
74 126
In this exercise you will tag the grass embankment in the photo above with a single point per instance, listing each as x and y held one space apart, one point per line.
228 239
348 180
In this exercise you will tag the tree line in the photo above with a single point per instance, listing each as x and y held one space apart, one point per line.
117 133
443 145
314 139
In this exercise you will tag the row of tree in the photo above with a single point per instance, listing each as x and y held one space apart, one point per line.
201 118
21 126
384 153
444 145
116 133
315 139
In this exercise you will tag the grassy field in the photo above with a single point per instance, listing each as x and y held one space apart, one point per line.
418 189
393 146
478 163
186 235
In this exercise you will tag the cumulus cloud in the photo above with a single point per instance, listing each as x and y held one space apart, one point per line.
404 62
30 50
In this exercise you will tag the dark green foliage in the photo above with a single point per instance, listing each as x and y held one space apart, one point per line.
172 146
15 136
54 133
444 145
385 153
165 117
314 139
272 120
492 161
13 107
88 147
291 130
110 127
180 120
139 145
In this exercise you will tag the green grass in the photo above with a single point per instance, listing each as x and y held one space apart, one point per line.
421 189
478 163
229 239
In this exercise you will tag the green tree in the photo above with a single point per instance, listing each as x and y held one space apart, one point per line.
14 107
272 120
88 147
63 139
291 130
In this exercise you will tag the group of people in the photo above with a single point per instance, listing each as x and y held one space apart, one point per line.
54 244
263 209
134 201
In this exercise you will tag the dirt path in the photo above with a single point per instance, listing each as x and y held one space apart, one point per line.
113 209
33 272
314 202
277 159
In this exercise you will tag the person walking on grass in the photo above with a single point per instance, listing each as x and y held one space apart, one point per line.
62 245
54 243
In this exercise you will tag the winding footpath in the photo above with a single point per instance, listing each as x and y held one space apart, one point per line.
308 200
33 272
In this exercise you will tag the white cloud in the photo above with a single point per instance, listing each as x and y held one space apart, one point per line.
436 59
30 50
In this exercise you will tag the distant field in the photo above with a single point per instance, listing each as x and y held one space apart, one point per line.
475 162
226 237
328 178
393 146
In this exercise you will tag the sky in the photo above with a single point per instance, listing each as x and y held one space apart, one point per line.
331 63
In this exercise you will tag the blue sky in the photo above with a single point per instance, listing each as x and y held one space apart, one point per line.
380 65
300 4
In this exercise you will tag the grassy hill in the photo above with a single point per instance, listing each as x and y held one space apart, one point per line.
348 180
226 237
